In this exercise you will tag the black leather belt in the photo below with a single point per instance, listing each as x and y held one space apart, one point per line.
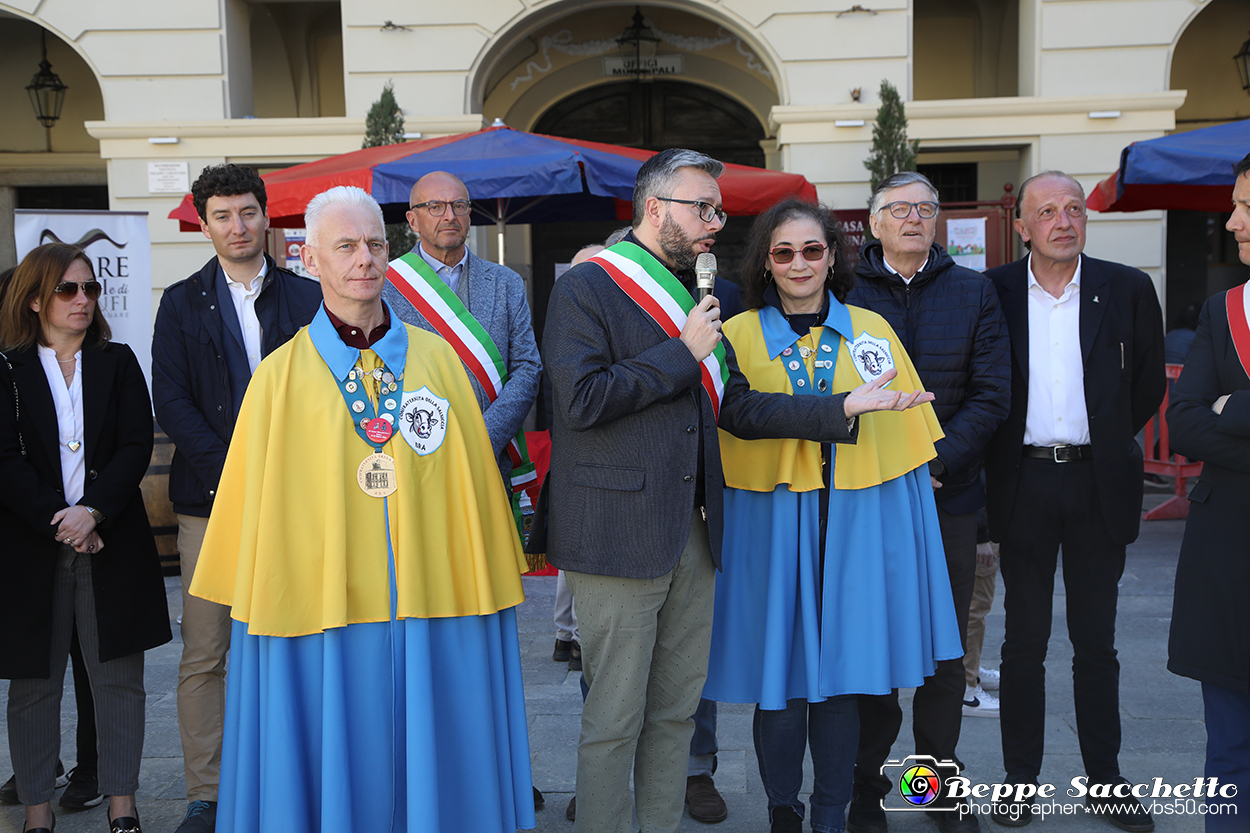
1060 453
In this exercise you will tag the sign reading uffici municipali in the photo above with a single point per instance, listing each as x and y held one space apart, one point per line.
119 248
628 68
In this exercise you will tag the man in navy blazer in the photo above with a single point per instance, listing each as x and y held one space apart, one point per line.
493 294
632 504
211 332
1209 417
1065 472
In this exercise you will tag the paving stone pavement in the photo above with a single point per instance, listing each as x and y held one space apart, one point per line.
1161 715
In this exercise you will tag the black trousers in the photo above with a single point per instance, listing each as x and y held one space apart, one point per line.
1057 506
937 710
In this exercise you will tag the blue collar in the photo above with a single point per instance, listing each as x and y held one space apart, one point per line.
778 335
392 348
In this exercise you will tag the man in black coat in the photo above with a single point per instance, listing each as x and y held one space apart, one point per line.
1065 472
632 504
1209 417
211 332
948 319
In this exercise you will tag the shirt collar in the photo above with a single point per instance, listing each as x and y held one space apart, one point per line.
1075 283
251 286
778 335
894 271
437 264
392 347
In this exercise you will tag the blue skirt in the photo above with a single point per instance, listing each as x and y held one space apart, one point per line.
392 726
881 618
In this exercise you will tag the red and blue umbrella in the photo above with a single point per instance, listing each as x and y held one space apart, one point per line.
512 177
1191 170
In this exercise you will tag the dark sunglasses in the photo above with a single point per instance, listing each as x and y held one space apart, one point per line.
812 251
68 290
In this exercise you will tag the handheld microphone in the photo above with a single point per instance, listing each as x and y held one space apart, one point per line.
705 274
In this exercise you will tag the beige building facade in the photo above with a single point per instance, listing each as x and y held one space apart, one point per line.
999 89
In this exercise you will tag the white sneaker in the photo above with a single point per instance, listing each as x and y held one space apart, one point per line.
979 704
988 679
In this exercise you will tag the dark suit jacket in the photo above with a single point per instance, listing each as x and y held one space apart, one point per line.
629 417
1122 348
117 442
1210 639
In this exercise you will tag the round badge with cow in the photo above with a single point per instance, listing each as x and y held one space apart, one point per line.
871 356
423 420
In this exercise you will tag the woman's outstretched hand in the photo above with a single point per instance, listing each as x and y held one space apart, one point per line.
872 396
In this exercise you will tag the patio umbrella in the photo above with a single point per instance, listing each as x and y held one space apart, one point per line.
512 177
1191 170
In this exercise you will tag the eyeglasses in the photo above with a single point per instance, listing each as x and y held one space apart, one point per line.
437 208
707 211
812 251
902 210
68 290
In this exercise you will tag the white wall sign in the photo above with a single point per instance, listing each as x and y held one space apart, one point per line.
168 178
118 245
659 65
965 241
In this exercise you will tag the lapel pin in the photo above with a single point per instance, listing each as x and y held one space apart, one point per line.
1095 299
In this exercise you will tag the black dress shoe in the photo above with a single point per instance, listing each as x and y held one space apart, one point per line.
1125 813
786 820
561 653
570 812
1012 813
575 657
865 814
125 824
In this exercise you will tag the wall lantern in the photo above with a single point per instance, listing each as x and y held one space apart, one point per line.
638 45
1242 60
47 92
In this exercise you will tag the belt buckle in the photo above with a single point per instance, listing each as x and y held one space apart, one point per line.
1067 456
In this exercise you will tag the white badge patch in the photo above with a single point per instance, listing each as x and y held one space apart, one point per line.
871 356
423 420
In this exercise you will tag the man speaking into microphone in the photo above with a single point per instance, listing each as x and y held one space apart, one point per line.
632 504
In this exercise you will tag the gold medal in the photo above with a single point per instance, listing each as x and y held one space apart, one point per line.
376 475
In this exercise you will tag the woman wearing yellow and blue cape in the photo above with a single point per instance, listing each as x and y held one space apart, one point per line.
834 578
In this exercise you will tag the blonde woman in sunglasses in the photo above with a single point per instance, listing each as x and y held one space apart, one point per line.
75 441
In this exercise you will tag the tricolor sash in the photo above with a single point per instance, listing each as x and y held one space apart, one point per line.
425 290
1237 325
663 298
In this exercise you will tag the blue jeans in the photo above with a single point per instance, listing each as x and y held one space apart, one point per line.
831 728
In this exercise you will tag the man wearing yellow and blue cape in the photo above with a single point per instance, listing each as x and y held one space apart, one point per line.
368 553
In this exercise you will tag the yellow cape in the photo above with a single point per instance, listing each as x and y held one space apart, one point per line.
890 443
296 547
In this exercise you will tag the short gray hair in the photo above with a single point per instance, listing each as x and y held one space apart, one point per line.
655 177
898 180
340 195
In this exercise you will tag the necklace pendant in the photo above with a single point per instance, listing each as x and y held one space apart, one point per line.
74 445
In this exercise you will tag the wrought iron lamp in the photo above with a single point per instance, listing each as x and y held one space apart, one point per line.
1242 60
47 91
638 45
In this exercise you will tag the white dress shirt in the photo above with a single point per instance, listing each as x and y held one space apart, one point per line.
68 404
900 274
1057 414
244 297
449 274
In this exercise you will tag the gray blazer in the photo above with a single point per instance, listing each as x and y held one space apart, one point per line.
629 417
497 301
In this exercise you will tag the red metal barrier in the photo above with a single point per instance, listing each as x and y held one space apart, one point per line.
1165 463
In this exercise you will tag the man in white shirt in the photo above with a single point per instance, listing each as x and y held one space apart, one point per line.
211 332
1064 472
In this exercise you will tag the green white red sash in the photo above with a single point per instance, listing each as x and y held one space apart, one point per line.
1237 325
417 282
662 297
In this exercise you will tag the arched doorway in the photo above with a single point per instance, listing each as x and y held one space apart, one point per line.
652 115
